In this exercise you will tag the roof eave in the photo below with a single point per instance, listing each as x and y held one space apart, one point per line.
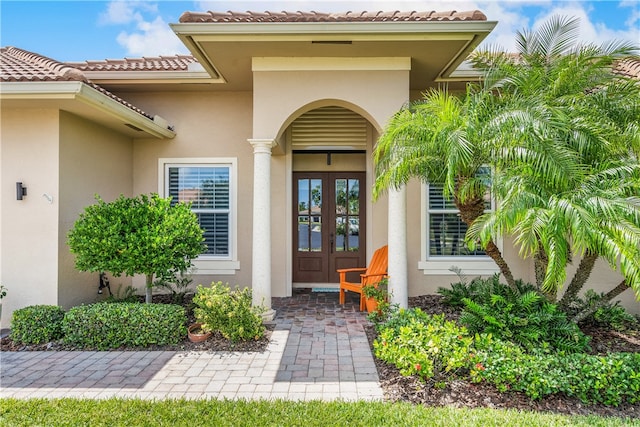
192 34
87 95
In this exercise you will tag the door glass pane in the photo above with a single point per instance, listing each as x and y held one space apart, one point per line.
315 215
341 196
354 233
309 215
354 196
341 241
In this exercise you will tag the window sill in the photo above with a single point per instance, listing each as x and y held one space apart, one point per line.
468 266
215 266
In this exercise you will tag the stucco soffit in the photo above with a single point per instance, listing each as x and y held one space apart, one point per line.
330 64
108 109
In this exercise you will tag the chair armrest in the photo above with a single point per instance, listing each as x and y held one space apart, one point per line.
366 276
349 270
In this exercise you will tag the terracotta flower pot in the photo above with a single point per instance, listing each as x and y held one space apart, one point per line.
372 304
196 334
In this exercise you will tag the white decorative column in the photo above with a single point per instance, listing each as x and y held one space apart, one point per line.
261 264
397 241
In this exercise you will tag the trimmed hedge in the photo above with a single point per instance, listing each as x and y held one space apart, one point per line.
105 326
611 380
37 324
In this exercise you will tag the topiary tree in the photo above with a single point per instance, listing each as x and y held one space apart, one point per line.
140 235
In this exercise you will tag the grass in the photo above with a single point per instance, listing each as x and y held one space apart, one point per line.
136 412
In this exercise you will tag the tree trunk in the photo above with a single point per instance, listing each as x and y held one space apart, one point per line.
540 264
579 279
469 212
492 251
623 286
149 290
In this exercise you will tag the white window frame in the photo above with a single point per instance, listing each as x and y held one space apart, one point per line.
206 263
478 265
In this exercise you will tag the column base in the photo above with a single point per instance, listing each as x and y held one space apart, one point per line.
268 315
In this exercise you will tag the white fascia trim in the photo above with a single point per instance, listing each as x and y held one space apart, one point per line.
374 30
330 64
87 95
149 77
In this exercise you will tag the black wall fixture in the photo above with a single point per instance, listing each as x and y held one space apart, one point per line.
21 191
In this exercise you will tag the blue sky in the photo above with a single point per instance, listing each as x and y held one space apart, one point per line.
83 30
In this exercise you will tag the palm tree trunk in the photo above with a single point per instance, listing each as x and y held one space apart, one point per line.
492 251
623 286
579 279
540 264
469 212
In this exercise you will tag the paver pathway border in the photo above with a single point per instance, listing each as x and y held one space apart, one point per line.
318 351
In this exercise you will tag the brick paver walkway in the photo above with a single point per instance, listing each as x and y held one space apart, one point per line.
318 350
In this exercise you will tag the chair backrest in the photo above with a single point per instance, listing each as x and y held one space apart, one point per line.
378 265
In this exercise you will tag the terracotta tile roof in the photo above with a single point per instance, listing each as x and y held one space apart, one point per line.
629 67
158 63
17 65
379 16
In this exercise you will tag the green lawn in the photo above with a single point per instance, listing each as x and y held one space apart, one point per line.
192 413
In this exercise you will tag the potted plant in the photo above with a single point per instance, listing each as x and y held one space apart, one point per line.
197 333
376 294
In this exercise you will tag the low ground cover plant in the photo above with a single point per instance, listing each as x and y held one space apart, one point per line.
36 324
221 309
611 380
424 345
105 326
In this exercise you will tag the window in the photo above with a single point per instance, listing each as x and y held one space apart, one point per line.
210 186
444 232
446 228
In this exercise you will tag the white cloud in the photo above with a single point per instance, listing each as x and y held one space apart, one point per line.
124 11
151 39
147 33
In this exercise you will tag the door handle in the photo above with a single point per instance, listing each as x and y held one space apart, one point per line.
331 242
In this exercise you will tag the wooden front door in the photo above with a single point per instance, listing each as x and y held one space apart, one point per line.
329 224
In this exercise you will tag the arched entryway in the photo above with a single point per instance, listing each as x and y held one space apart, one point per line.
329 149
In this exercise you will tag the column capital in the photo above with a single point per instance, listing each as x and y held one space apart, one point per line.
262 145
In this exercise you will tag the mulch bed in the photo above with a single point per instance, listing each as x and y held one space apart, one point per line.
466 394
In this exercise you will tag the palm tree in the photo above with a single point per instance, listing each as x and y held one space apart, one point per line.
442 139
567 156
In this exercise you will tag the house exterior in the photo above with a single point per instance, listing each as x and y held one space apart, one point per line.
268 128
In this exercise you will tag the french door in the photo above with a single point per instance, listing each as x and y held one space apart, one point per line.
329 224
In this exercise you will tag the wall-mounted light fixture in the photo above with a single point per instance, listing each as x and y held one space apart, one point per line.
21 191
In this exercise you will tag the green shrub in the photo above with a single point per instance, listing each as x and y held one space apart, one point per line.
455 295
520 315
610 380
610 315
220 309
106 326
420 344
37 324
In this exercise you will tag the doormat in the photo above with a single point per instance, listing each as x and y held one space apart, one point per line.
325 290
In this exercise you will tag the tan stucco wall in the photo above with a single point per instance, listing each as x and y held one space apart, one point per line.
93 160
29 228
208 124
